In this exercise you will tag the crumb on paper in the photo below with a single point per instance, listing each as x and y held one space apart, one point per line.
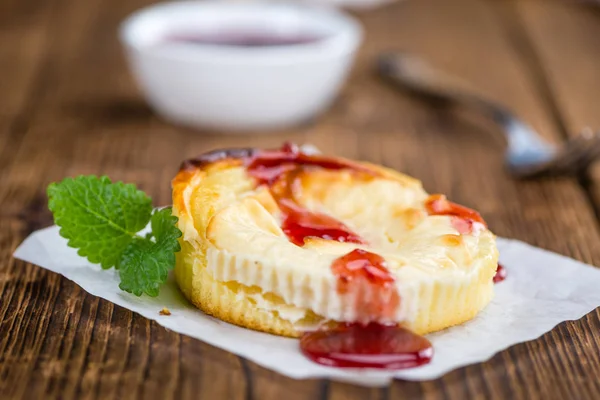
165 311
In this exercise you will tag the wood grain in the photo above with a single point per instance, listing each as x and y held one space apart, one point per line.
71 107
563 45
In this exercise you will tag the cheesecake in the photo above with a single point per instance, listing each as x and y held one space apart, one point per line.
282 241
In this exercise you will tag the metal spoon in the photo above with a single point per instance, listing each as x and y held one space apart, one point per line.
527 154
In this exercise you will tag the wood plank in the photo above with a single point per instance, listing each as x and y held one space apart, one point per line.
23 52
563 43
58 342
559 40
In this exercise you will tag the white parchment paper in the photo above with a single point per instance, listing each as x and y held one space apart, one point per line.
542 290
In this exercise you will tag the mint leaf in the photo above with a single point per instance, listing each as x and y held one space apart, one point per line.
98 217
102 219
164 230
146 262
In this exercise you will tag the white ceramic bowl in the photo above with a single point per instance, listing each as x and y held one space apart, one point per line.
235 88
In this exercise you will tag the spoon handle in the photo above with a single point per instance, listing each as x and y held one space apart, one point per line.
423 79
416 75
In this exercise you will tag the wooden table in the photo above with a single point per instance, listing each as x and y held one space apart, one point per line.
68 106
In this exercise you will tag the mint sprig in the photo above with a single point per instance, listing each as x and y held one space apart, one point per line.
102 220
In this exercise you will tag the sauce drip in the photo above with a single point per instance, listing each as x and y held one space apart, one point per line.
216 156
284 165
367 346
500 274
365 275
299 223
268 166
464 219
361 264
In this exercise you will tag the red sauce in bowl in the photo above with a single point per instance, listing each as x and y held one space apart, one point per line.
241 38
